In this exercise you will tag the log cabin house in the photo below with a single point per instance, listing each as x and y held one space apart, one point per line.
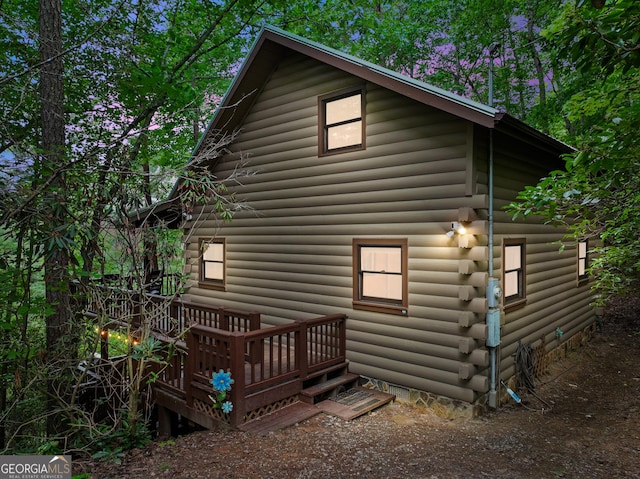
380 198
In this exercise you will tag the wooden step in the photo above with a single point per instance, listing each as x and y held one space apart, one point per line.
330 372
312 393
355 402
285 417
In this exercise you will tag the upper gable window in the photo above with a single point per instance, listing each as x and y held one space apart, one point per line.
341 125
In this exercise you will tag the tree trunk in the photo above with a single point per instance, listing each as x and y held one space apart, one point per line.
540 75
56 264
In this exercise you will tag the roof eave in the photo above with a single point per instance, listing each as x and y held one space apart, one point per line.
417 90
514 127
272 43
168 212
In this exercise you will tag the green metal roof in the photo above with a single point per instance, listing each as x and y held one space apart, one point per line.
273 41
471 104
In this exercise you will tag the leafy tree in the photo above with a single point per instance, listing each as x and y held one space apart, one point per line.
440 43
140 80
597 195
123 88
51 172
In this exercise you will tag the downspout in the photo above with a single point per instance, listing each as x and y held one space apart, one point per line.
493 288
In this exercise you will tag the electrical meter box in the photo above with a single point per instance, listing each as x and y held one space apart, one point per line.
494 293
493 328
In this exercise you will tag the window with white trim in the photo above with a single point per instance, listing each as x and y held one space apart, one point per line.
212 263
514 272
380 276
342 125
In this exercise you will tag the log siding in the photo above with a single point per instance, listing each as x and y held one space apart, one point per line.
293 253
422 168
554 299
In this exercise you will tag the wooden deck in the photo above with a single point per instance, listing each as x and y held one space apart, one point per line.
297 364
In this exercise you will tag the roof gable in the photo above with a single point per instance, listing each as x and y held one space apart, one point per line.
273 44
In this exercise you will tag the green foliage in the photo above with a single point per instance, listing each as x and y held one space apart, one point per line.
113 443
139 79
199 187
148 350
142 79
49 448
440 42
597 195
605 38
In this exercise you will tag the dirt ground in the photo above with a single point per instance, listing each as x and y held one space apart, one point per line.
592 430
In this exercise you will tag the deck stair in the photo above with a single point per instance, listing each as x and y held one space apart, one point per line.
282 374
280 419
348 404
354 402
327 384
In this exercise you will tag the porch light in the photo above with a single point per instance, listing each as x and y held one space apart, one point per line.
456 228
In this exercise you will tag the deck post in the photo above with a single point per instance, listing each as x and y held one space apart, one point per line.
256 349
343 337
165 422
254 321
236 363
104 342
174 317
302 348
190 365
223 319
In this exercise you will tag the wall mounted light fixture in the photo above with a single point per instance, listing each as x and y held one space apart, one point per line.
456 228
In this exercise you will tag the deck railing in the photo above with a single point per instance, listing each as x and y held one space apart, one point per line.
157 282
165 317
268 365
326 342
288 355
